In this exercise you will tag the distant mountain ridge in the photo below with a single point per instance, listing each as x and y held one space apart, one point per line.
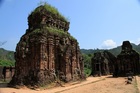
114 51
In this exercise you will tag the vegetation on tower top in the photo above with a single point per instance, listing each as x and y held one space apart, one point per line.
47 8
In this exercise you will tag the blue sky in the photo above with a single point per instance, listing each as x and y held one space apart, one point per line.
102 24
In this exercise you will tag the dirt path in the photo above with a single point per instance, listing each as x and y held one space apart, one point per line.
109 85
91 85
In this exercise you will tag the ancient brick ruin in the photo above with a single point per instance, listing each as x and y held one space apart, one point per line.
8 73
127 61
47 52
103 63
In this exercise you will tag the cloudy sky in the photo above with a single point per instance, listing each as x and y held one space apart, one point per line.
102 24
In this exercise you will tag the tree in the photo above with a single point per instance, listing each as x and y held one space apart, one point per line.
87 63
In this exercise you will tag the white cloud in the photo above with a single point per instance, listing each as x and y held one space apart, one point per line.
108 44
137 41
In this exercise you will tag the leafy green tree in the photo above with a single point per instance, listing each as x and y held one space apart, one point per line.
6 63
6 58
87 63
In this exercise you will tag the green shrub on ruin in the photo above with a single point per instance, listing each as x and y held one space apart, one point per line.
59 32
50 9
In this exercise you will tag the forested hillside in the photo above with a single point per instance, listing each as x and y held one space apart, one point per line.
114 51
6 57
89 53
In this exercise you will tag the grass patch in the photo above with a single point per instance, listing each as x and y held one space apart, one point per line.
53 31
50 9
59 32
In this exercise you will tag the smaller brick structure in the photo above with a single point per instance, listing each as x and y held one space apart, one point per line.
127 61
9 72
103 63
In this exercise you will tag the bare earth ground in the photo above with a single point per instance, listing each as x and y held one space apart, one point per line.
102 84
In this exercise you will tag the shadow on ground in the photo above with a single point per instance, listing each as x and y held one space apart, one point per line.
3 85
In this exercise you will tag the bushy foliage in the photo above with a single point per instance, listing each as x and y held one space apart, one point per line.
53 31
87 63
87 71
50 9
6 58
59 32
7 63
87 60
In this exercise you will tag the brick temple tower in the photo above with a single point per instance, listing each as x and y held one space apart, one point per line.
127 60
47 51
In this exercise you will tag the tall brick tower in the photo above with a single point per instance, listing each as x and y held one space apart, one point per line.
47 51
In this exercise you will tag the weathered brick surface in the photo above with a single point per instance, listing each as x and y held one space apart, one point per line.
47 52
127 61
103 63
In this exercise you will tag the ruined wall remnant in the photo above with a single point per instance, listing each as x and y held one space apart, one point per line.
127 61
47 51
103 63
